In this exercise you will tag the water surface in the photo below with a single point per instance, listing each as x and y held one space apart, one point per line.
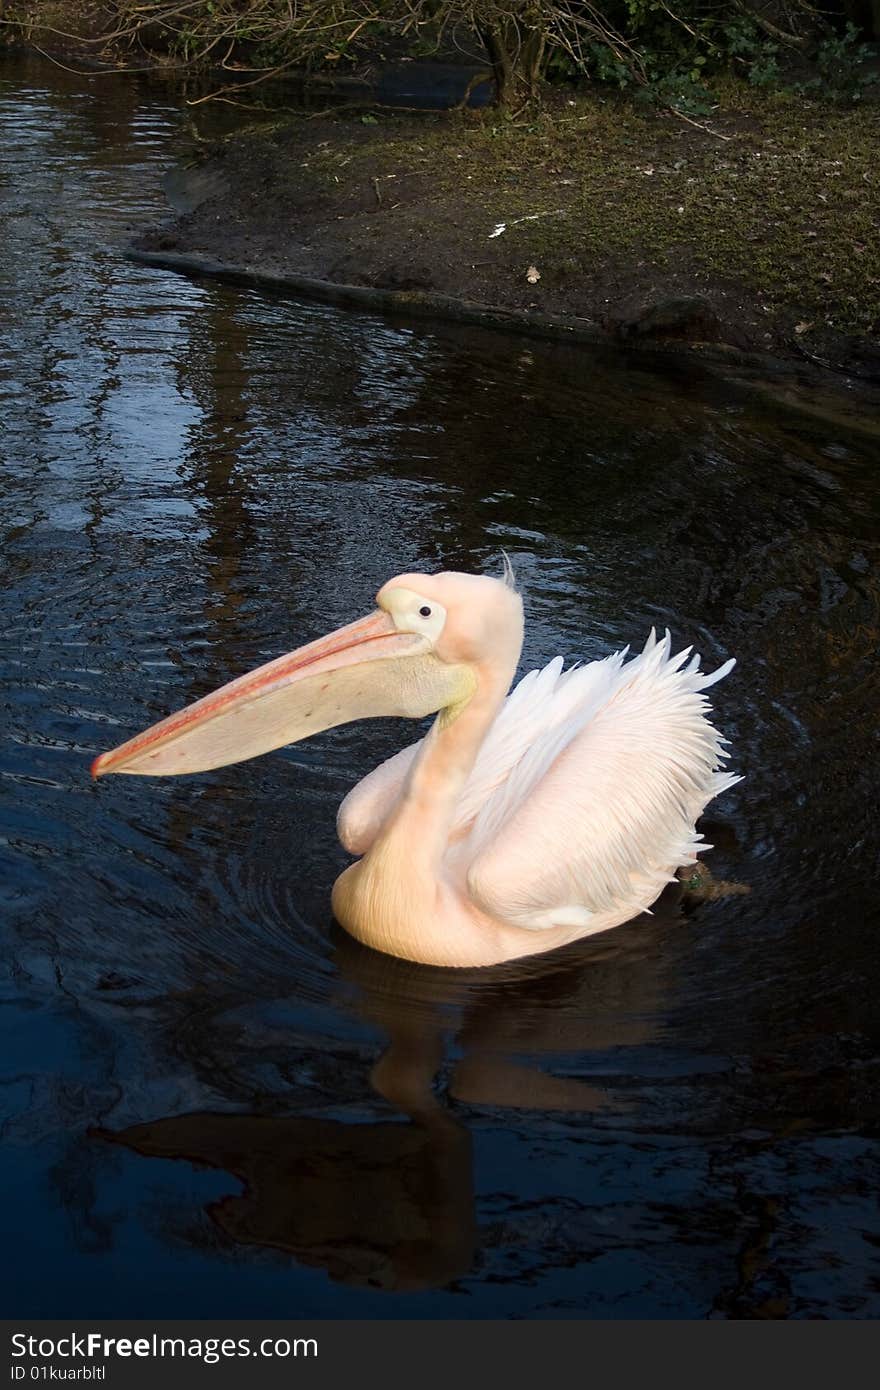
216 1104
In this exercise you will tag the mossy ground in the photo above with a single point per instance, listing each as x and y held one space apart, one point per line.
786 205
768 210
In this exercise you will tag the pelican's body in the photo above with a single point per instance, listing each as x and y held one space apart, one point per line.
520 822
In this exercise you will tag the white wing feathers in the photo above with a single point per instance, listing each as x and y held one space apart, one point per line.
599 810
585 792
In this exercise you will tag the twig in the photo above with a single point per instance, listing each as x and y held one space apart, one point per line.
85 72
831 366
709 131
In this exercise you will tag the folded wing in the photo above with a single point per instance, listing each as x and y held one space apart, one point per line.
596 814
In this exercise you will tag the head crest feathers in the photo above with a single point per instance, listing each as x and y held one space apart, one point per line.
508 578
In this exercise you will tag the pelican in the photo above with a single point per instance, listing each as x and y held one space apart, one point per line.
520 822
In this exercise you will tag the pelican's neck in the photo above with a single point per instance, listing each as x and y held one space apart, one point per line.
424 817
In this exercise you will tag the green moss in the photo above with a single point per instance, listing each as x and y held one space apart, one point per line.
769 209
787 204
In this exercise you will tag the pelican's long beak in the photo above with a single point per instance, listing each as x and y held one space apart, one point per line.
366 669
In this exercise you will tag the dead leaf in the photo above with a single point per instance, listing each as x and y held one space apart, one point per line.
533 275
802 327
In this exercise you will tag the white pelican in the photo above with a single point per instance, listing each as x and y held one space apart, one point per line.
516 824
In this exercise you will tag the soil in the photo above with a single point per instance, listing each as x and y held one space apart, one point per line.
755 228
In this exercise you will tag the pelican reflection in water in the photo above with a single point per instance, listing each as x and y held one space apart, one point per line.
391 1206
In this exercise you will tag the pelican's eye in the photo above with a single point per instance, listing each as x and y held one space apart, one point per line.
412 612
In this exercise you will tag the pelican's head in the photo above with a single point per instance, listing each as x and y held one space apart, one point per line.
467 618
431 642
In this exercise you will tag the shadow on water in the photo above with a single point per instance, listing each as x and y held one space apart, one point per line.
391 1205
677 1120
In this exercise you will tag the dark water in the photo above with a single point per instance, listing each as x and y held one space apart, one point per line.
215 1103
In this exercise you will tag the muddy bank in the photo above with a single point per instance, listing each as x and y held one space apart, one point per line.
754 231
